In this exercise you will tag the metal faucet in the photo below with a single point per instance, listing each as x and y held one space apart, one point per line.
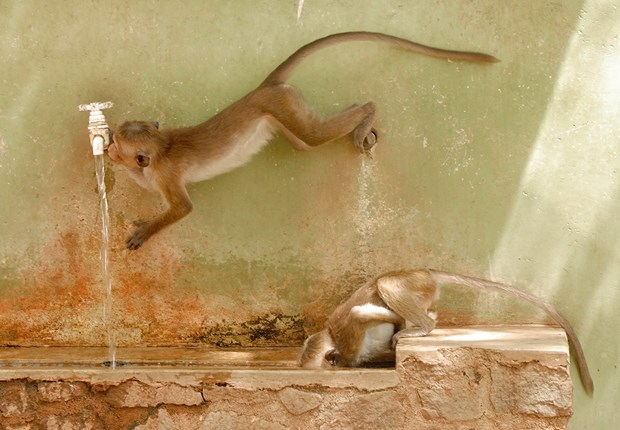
98 129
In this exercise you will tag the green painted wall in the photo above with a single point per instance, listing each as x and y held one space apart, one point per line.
508 171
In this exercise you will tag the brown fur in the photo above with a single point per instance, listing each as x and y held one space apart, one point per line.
406 296
160 160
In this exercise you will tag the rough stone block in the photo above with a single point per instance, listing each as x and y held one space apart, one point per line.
238 420
455 393
133 394
538 390
346 410
61 391
298 402
487 372
75 422
166 420
14 399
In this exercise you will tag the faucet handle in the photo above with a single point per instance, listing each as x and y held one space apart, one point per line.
95 106
97 126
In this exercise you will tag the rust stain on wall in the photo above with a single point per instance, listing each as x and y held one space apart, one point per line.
55 295
59 301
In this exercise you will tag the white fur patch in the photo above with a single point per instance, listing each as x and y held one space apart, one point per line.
371 311
143 178
377 339
246 144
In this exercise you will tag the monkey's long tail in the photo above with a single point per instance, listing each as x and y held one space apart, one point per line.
584 373
284 70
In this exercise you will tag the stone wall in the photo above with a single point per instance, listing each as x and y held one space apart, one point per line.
482 378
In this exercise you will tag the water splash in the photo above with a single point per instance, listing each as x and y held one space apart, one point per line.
105 259
372 213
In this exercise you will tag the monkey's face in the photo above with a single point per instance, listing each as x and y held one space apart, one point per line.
134 144
315 350
114 152
124 153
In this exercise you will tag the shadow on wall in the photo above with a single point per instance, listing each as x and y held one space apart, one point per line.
562 233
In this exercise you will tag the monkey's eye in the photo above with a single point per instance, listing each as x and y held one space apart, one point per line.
142 158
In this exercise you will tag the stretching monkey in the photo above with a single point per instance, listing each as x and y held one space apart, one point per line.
366 327
166 160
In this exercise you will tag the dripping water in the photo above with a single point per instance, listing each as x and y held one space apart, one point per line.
105 259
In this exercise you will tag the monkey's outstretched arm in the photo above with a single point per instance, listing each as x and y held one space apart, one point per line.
179 206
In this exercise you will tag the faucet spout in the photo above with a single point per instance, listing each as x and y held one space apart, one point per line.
98 129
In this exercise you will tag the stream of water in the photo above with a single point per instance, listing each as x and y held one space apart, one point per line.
105 259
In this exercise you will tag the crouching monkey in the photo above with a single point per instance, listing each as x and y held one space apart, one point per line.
367 326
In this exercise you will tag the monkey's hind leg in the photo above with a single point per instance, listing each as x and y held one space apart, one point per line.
304 128
407 294
416 330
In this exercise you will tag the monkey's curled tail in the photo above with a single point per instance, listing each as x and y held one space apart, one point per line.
584 373
284 70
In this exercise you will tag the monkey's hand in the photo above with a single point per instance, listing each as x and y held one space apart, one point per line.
139 235
180 205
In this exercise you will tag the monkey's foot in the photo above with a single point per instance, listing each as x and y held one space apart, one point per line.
368 143
409 332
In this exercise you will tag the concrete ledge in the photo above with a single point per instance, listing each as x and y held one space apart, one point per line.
473 377
518 341
247 379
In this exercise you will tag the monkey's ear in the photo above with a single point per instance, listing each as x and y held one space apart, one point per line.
142 159
155 124
332 356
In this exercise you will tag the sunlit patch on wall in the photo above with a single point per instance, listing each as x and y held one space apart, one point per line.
571 183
